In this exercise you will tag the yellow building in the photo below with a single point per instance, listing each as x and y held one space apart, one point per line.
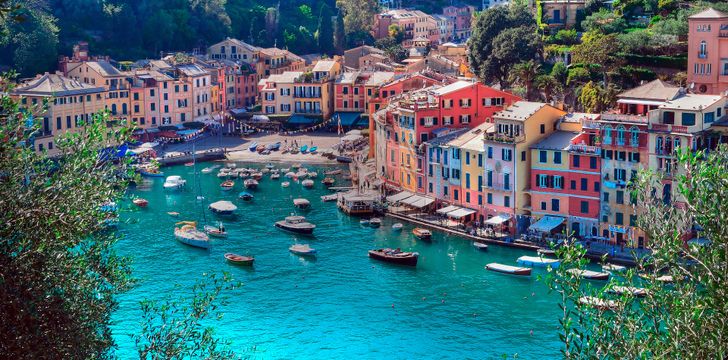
235 50
102 73
473 168
69 104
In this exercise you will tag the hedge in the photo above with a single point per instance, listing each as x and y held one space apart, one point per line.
672 62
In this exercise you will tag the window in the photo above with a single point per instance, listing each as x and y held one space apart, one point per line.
607 135
555 204
523 156
543 128
709 117
489 177
668 117
584 207
620 174
620 135
597 186
542 156
455 194
480 160
507 181
467 197
619 218
573 184
557 157
543 205
490 152
577 161
558 182
489 198
507 201
584 184
633 220
542 180
688 119
507 154
703 51
620 197
593 163
605 196
480 199
634 136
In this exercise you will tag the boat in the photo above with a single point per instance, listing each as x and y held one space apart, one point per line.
174 182
395 256
313 149
223 207
188 164
333 172
245 196
296 224
150 171
189 235
290 174
422 234
588 274
330 197
274 146
397 226
328 181
231 165
508 269
303 149
634 291
538 261
173 213
480 246
308 183
302 203
275 176
285 170
312 175
285 184
265 152
264 170
364 222
293 151
227 185
302 249
270 166
142 203
223 174
613 268
257 175
253 146
344 159
215 231
546 252
601 304
260 148
375 222
207 170
250 183
239 259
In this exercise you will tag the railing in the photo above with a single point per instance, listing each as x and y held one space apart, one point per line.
497 186
625 117
670 128
308 111
590 124
585 149
504 138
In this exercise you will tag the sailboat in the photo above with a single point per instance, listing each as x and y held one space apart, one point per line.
188 233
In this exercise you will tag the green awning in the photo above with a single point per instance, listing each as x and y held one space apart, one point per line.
302 120
347 118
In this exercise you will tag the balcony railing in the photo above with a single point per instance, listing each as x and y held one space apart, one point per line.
308 111
498 186
670 128
504 138
625 118
585 149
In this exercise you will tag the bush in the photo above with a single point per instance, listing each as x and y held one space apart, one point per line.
605 22
671 62
566 37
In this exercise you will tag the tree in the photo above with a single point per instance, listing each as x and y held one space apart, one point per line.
358 14
511 46
525 73
681 320
560 72
392 48
595 98
604 21
395 32
599 49
339 34
548 85
32 43
325 31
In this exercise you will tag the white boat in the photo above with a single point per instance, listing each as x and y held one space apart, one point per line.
613 268
290 174
375 222
275 176
507 269
223 207
601 304
364 222
223 174
302 249
250 183
301 174
397 226
285 184
588 274
285 170
269 166
301 203
537 261
634 291
189 235
207 170
215 231
480 246
330 197
296 224
308 183
174 182
312 175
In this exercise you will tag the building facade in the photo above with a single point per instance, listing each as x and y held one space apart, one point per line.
708 52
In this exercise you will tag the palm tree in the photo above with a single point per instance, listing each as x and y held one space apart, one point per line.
548 85
525 73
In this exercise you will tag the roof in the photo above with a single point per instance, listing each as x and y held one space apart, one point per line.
365 49
237 42
378 78
709 13
274 51
285 77
458 85
192 70
104 68
444 139
520 111
55 85
324 65
691 102
579 117
653 90
475 142
559 140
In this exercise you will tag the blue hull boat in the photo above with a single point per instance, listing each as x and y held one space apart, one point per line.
273 146
245 196
253 146
313 149
304 148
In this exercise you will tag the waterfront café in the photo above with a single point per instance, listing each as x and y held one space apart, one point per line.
356 204
497 226
459 214
411 202
546 229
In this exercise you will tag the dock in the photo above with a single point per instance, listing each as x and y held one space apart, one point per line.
202 155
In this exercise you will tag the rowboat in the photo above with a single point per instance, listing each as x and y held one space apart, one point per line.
422 234
480 246
312 175
227 185
397 226
375 222
250 184
301 203
189 235
304 148
207 170
173 213
245 196
270 166
215 231
296 224
588 274
257 175
302 249
239 259
613 268
260 148
253 146
537 261
313 149
275 176
333 172
395 256
634 291
601 304
222 207
151 172
507 269
328 181
140 202
274 146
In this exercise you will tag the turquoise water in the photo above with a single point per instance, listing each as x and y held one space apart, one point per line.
342 304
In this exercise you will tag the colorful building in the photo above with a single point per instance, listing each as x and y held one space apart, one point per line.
443 171
473 169
234 50
353 91
559 14
462 18
708 52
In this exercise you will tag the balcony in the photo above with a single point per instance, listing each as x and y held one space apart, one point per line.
669 128
585 149
504 138
498 186
625 118
308 111
702 55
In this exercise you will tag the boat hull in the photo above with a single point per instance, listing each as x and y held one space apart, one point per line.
407 261
422 235
239 260
305 231
194 243
148 174
510 270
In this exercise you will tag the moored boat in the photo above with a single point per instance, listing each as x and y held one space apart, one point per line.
207 170
296 224
613 268
397 226
215 231
253 146
304 149
508 269
332 172
364 222
313 149
273 146
328 181
189 235
330 197
537 261
480 246
422 234
634 291
250 183
588 274
239 259
546 252
227 185
302 249
189 164
140 202
375 222
344 159
395 256
312 175
223 207
308 183
275 176
174 182
245 196
301 203
285 184
257 175
601 304
270 166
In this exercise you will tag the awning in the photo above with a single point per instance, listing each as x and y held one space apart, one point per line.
418 201
351 138
498 219
399 196
546 223
347 118
446 210
460 213
301 120
152 130
640 102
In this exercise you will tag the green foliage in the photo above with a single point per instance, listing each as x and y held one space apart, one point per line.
392 48
577 75
605 22
58 270
672 62
549 85
633 75
339 34
560 72
681 320
325 31
598 49
645 41
566 37
396 33
358 15
173 328
524 74
31 44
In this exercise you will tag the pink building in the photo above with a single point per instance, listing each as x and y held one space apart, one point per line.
708 52
462 17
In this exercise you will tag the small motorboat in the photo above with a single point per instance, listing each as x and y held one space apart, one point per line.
223 174
296 224
216 231
364 222
264 170
173 213
332 172
227 185
275 176
274 146
480 246
269 166
634 291
302 203
253 146
375 222
313 149
207 170
250 183
189 235
223 207
599 303
344 159
612 268
331 197
304 149
285 170
308 183
142 203
395 256
231 165
174 182
312 175
537 261
422 234
507 269
588 274
245 196
290 174
285 184
302 249
189 164
239 259
328 181
397 226
546 252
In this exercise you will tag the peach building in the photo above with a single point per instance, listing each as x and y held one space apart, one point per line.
708 52
234 50
102 73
